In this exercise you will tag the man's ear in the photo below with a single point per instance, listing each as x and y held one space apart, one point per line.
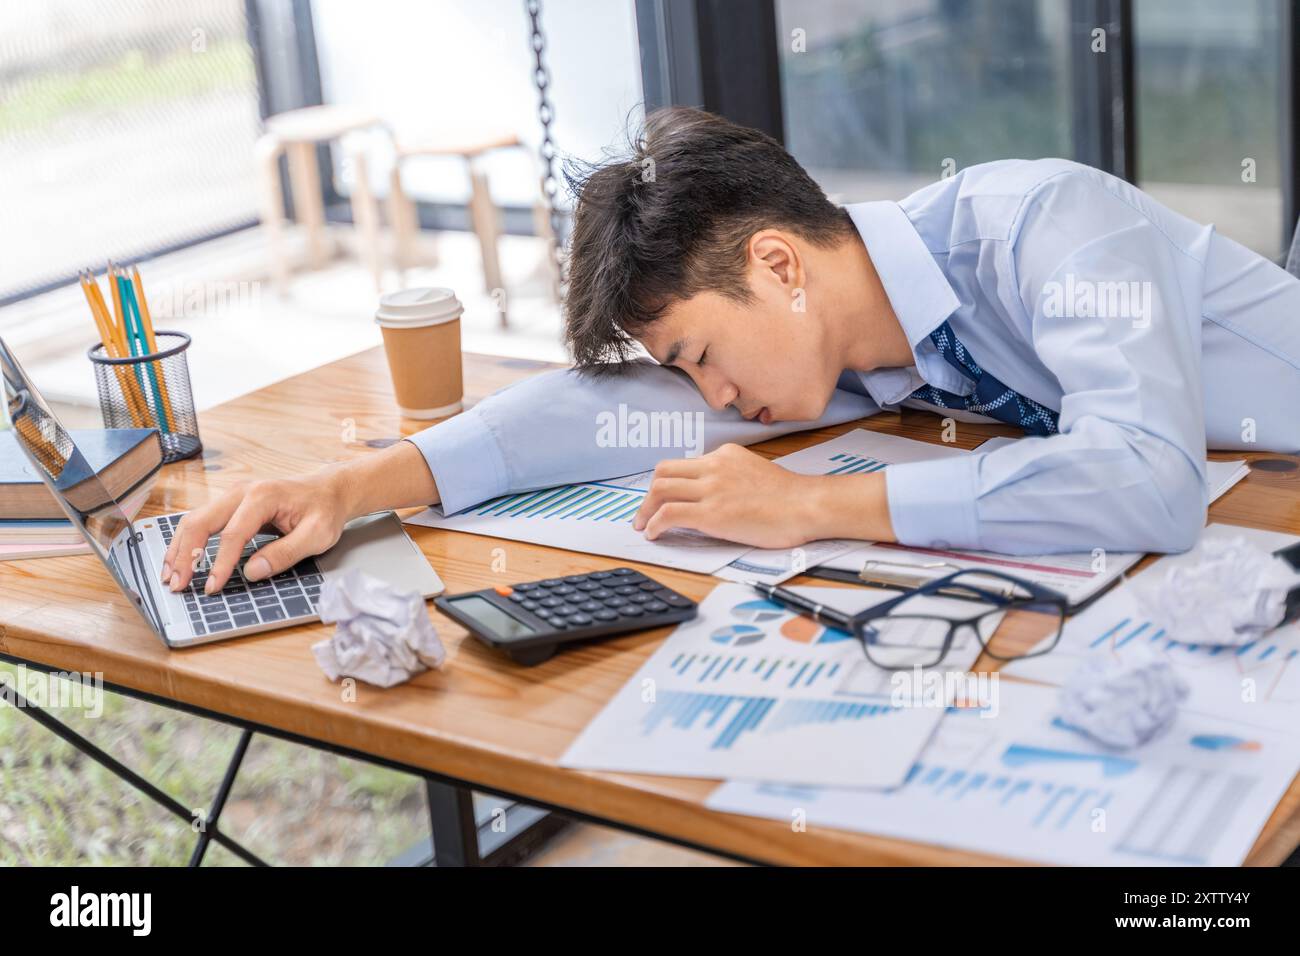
773 255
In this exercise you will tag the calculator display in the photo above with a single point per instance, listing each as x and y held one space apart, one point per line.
491 617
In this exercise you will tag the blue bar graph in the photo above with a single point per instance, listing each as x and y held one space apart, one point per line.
682 709
593 501
1128 630
845 464
799 713
1044 803
783 671
715 714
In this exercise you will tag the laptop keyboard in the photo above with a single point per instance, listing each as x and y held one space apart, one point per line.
289 594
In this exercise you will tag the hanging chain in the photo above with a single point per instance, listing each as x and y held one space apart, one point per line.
546 114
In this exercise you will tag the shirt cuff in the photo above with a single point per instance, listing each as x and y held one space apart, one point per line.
465 459
932 504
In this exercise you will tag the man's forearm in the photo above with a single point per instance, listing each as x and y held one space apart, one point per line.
397 477
849 506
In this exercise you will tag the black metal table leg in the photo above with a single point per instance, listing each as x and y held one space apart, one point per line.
452 825
125 773
227 782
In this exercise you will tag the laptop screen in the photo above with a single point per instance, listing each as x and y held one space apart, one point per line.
57 461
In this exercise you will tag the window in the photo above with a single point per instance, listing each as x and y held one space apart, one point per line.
883 96
1208 78
125 128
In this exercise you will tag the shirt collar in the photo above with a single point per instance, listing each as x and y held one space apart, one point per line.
917 288
918 291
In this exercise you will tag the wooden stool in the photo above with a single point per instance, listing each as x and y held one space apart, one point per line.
484 215
296 134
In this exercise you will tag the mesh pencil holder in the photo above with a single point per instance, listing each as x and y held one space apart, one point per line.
151 391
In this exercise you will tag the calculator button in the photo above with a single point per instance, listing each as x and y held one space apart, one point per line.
516 597
655 606
550 582
626 589
650 586
577 597
621 572
557 622
552 602
598 575
615 601
564 590
526 587
676 600
575 579
631 610
579 620
590 606
529 605
605 614
639 597
587 586
504 590
544 613
600 594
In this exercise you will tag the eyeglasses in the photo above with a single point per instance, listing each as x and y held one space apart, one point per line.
1024 620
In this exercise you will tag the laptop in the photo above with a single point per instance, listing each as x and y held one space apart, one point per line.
133 551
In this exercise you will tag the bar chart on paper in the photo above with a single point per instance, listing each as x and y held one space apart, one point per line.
1025 786
750 690
593 517
1258 682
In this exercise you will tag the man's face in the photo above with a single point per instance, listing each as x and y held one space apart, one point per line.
769 357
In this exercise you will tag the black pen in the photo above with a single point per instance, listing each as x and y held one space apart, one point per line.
801 605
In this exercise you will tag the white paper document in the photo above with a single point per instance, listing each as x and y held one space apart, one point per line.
1023 786
1256 683
594 517
749 690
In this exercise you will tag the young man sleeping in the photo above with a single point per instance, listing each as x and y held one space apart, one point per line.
1123 338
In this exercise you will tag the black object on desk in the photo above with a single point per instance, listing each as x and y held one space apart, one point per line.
529 621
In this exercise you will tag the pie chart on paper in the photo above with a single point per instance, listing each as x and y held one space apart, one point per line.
737 635
804 630
758 611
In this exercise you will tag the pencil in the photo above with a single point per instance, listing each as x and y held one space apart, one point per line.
99 312
137 324
118 288
142 304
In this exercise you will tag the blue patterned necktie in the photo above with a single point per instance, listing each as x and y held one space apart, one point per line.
990 397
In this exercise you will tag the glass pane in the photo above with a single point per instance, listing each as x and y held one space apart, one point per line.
884 96
125 126
1208 111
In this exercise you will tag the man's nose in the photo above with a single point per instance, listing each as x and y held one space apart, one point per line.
717 390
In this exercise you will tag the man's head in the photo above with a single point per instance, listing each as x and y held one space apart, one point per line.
711 247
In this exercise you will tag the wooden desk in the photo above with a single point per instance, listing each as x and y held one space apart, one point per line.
480 719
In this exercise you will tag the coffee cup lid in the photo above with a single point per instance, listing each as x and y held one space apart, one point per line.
412 308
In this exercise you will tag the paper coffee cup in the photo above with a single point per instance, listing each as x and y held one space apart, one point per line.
421 329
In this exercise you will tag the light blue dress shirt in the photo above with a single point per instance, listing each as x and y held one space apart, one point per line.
1152 335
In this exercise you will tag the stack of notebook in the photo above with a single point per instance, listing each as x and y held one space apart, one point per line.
120 463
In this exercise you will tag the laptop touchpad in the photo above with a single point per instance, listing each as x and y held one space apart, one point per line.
380 546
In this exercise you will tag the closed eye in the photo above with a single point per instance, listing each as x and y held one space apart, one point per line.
702 354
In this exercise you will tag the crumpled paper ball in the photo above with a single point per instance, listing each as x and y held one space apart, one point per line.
1231 594
1123 703
384 636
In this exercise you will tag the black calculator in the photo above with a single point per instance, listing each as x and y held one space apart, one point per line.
530 621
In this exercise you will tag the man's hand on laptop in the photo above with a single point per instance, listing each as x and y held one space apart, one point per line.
309 512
